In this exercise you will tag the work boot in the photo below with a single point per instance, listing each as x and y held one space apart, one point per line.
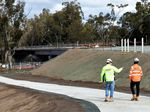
111 99
133 97
137 98
106 99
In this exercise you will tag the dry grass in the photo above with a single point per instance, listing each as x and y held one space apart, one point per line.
85 65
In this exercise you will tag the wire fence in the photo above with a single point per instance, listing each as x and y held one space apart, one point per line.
22 65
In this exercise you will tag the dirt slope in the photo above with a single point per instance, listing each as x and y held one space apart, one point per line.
24 100
85 65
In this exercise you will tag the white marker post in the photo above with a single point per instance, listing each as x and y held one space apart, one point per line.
127 45
142 45
122 45
134 44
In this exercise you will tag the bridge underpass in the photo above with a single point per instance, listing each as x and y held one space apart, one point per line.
42 54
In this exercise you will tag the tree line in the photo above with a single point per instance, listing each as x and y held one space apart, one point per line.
67 26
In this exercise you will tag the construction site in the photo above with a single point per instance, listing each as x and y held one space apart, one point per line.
74 68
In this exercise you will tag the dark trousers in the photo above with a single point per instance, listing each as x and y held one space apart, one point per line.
132 87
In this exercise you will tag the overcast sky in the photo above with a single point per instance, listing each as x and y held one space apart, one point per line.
88 6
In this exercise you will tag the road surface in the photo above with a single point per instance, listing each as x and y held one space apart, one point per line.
121 102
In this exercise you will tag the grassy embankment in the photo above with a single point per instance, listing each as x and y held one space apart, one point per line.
85 65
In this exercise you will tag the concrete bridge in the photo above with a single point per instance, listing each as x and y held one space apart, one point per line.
41 53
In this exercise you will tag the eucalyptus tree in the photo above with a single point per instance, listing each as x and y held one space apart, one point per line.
50 28
102 25
44 28
72 23
114 29
138 22
39 30
89 32
11 26
144 27
59 21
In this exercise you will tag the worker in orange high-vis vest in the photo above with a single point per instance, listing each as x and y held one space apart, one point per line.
135 79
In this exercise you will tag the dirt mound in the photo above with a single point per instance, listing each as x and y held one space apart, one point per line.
85 65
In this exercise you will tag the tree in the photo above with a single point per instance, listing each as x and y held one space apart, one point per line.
114 29
39 31
137 22
72 22
63 26
11 19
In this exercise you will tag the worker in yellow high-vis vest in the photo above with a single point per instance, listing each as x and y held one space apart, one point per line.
107 76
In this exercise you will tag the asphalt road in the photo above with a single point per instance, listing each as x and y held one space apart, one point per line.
121 102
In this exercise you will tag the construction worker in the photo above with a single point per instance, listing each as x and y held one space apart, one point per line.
107 76
135 77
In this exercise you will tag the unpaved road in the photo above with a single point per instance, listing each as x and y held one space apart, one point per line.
122 101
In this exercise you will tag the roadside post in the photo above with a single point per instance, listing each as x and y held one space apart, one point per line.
125 45
134 44
122 45
128 45
142 45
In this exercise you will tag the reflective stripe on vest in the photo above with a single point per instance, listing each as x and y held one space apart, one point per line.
135 75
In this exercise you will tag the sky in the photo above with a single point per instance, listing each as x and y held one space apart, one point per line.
94 7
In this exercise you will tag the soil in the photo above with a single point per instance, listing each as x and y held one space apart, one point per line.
20 100
17 99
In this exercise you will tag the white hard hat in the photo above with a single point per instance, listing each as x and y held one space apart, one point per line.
109 60
136 60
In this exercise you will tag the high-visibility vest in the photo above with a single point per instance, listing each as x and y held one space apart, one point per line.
108 71
135 73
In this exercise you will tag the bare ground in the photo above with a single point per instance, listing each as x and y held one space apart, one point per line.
18 99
